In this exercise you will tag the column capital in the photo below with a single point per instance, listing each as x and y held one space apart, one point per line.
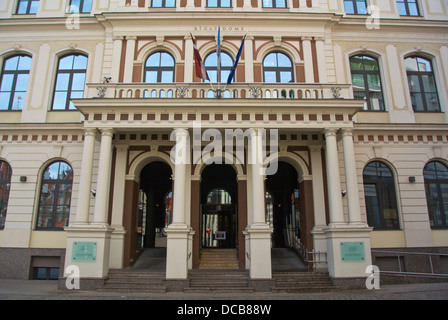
330 132
306 38
107 132
117 38
319 38
347 132
131 37
90 132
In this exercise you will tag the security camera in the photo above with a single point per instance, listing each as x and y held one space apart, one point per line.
93 192
107 79
344 192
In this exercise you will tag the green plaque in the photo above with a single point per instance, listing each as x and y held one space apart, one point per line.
352 251
84 251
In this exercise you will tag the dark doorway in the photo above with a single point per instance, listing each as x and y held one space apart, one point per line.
283 205
155 205
219 191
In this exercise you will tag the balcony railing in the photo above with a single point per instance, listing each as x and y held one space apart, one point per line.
208 91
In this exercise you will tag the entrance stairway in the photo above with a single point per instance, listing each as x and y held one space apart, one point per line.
214 281
223 259
296 281
135 280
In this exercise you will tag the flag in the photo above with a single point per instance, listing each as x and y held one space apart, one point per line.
200 67
218 54
232 73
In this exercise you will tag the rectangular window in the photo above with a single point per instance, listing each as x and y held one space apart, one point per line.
219 3
274 4
408 8
355 6
27 6
81 6
163 4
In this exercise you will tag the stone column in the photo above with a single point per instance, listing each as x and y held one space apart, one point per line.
259 232
354 212
129 59
188 69
333 178
249 59
321 61
85 181
178 232
103 180
308 59
116 59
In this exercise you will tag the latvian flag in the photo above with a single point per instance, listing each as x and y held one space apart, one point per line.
200 68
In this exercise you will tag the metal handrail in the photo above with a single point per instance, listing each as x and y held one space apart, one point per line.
408 273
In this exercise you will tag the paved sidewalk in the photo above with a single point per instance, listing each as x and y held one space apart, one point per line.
47 290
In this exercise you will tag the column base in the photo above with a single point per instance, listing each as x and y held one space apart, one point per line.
177 254
260 251
88 250
348 248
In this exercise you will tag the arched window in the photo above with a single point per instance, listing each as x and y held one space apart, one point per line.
55 196
219 196
277 67
70 81
159 68
14 81
422 84
366 81
215 73
380 196
5 185
436 187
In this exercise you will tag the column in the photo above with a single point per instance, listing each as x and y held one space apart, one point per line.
249 59
178 232
354 212
103 180
85 181
129 60
188 68
116 59
118 235
308 59
333 178
259 232
321 61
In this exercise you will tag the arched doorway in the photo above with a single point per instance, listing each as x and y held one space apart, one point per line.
155 205
283 205
219 193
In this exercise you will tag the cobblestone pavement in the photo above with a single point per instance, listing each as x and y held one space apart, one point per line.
47 290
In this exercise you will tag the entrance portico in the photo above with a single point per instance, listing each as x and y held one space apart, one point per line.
306 138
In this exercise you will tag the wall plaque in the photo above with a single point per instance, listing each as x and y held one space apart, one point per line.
352 251
84 251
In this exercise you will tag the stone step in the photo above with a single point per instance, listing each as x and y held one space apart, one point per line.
219 281
302 282
218 259
134 280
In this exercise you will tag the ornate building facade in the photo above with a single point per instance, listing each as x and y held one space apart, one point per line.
111 144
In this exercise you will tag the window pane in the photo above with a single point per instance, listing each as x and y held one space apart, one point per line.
153 60
283 60
413 10
24 63
270 60
361 6
34 6
4 100
78 81
270 76
429 84
414 83
225 3
60 100
212 3
432 102
401 8
80 62
358 82
151 76
280 3
212 60
374 83
226 60
157 3
285 77
23 5
22 82
66 63
19 99
170 3
349 8
417 102
167 76
376 101
166 60
356 63
62 81
74 6
225 75
441 169
370 64
267 3
7 81
87 7
213 75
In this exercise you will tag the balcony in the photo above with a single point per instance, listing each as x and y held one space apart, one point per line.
125 106
213 91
